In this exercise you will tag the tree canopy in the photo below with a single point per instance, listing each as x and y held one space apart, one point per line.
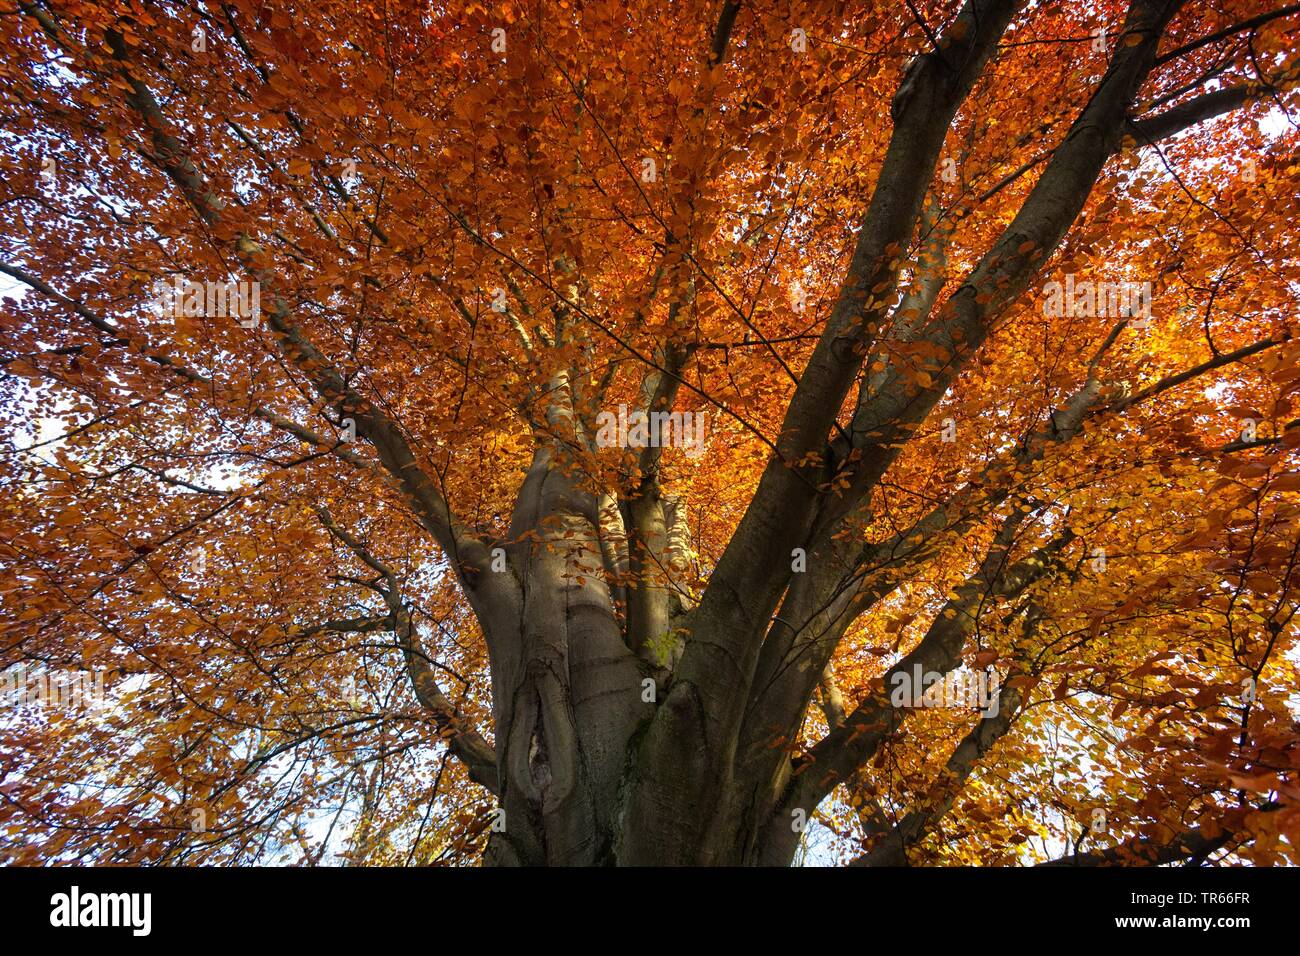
554 432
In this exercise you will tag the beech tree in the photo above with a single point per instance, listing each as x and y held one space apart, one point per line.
587 433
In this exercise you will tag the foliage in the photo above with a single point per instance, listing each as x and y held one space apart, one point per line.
828 228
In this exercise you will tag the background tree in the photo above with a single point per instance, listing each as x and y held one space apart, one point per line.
365 580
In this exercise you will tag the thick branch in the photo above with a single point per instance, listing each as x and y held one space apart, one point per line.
1152 129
